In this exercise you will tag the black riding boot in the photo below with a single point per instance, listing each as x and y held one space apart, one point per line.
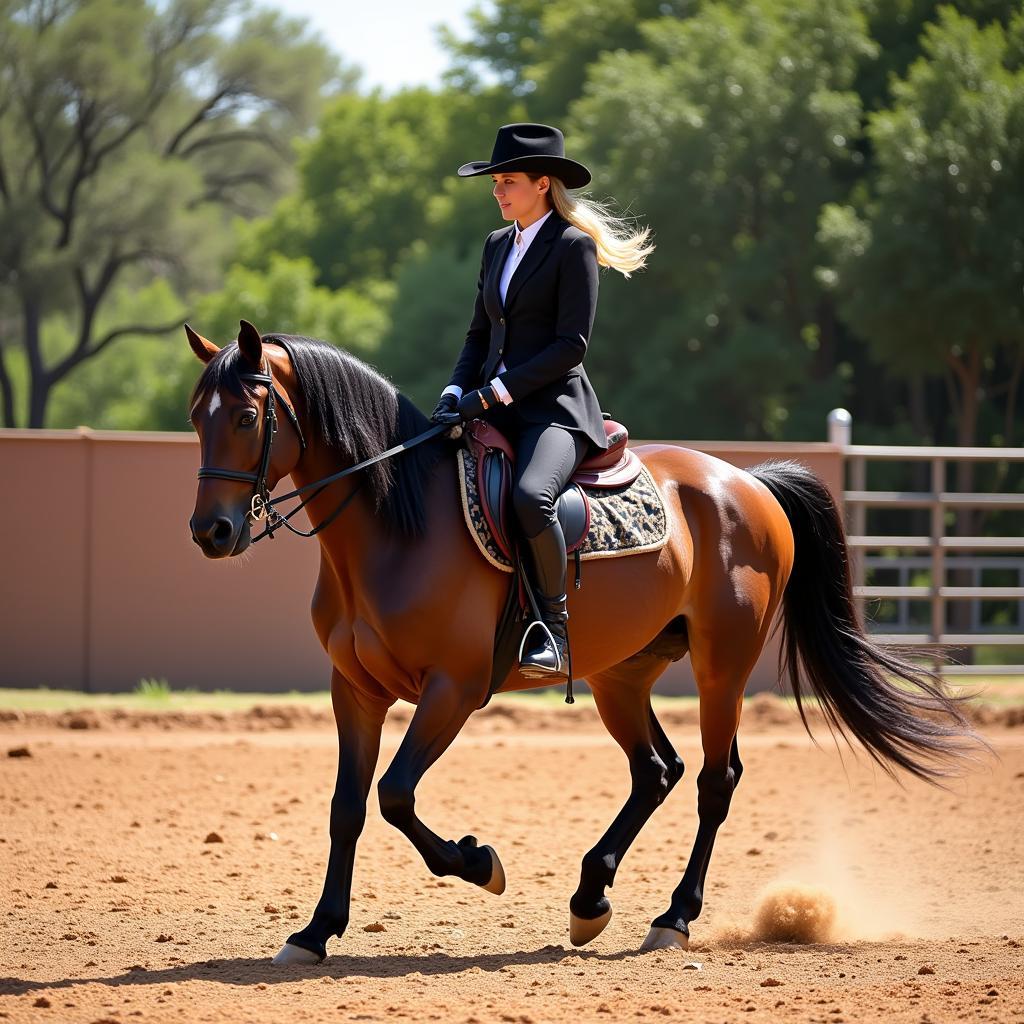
544 651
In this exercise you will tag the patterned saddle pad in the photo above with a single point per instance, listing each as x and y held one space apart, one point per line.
623 521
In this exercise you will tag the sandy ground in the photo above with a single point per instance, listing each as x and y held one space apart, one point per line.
117 909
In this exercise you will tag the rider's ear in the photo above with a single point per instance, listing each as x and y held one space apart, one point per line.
250 344
204 349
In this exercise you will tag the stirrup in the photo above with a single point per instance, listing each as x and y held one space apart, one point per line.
558 655
517 558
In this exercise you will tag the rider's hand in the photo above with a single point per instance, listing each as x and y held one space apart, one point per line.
446 410
476 402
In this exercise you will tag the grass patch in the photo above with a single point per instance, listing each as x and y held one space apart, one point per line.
157 695
153 695
154 689
152 699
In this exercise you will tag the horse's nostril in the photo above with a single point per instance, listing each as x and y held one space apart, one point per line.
222 531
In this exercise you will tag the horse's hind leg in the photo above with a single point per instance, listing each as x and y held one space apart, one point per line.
722 663
666 751
622 696
443 709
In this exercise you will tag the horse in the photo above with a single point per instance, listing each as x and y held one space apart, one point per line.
406 609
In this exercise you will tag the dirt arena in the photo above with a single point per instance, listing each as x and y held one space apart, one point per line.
119 907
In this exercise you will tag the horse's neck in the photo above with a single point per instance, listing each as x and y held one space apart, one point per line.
356 544
356 527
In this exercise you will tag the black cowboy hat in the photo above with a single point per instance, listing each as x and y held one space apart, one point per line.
538 148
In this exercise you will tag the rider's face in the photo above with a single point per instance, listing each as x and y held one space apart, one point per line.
520 198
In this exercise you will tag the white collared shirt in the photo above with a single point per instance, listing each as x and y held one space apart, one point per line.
520 243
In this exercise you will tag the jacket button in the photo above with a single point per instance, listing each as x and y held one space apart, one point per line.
502 321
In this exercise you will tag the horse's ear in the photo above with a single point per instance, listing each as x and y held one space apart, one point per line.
250 344
204 349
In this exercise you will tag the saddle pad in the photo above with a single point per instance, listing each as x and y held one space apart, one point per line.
623 521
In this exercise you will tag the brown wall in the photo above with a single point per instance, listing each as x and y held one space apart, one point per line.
101 585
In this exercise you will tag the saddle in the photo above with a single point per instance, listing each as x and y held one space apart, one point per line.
495 458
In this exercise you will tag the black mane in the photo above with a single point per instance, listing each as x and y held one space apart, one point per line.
354 409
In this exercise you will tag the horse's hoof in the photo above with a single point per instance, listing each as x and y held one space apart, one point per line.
496 883
665 938
295 955
582 929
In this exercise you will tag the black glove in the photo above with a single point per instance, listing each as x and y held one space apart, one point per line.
445 410
476 402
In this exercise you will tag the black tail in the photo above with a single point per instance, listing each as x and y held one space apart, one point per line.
901 713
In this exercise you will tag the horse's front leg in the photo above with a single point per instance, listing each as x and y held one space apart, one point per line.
442 711
359 727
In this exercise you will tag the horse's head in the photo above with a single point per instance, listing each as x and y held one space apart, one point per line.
245 445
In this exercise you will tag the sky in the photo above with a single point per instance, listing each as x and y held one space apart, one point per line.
392 40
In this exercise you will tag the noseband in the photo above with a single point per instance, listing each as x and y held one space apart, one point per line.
262 505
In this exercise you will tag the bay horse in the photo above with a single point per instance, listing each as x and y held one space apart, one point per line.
406 609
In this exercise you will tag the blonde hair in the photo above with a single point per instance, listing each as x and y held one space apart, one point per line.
618 246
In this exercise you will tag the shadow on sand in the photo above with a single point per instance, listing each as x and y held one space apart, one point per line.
259 970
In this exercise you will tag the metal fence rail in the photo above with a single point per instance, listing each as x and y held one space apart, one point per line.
939 546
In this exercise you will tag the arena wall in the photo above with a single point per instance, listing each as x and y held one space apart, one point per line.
101 585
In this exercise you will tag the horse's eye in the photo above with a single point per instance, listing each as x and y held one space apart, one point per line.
248 418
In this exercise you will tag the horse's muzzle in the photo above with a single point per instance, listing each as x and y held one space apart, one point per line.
219 536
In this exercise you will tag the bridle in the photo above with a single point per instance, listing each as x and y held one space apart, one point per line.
262 505
260 493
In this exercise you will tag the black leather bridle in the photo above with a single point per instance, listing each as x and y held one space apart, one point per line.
262 505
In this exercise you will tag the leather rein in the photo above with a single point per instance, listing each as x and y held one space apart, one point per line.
262 505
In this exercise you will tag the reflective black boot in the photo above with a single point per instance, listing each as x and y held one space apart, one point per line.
547 653
544 652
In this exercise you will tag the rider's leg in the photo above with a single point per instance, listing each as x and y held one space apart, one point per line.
546 458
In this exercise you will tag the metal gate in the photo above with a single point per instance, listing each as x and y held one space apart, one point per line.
922 563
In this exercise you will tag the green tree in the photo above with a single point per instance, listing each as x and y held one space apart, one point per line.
379 204
136 385
130 132
898 26
927 261
727 134
435 292
380 175
365 182
541 51
145 385
286 299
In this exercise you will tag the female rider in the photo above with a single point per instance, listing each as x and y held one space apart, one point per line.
521 364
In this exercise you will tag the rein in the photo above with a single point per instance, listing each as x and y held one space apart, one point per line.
262 505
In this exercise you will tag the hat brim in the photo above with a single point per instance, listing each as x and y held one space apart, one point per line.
572 173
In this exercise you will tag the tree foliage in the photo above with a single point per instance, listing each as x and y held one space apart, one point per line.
834 192
929 258
129 132
732 129
378 177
